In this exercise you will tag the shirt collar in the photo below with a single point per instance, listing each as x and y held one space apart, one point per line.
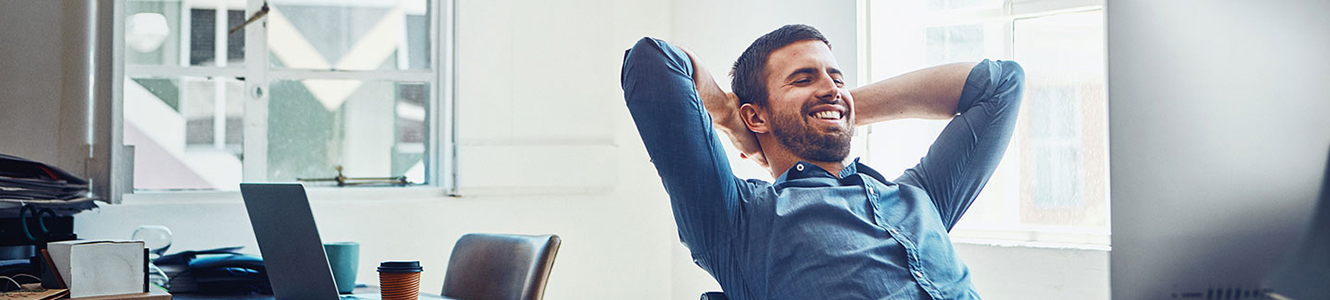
804 171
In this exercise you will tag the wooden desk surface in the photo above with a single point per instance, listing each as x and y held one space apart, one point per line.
361 289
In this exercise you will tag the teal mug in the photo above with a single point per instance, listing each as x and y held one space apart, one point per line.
343 257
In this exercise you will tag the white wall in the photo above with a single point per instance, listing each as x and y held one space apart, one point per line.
31 78
718 31
547 146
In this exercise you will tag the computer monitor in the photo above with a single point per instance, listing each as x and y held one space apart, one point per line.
1219 128
1306 274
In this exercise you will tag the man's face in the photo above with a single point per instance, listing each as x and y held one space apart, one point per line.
811 111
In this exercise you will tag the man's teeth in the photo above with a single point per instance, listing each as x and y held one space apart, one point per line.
830 114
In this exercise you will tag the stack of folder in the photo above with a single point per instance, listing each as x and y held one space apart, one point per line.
24 181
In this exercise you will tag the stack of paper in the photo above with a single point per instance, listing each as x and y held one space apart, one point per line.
23 179
182 281
98 268
26 182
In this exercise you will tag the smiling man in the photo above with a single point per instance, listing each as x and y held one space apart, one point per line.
828 227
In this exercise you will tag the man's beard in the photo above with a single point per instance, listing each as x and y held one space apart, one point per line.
806 143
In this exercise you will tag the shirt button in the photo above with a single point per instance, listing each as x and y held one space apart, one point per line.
917 274
799 167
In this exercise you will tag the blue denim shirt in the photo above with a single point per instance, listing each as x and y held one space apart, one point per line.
812 235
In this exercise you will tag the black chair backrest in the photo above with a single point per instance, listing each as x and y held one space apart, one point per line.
714 296
500 267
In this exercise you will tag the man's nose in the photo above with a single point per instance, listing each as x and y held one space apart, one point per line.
827 89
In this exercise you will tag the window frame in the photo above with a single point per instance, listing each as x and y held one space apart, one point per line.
1006 15
441 173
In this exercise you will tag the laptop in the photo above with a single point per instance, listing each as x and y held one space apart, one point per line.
289 241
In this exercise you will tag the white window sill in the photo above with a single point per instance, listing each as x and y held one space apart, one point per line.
1030 244
314 194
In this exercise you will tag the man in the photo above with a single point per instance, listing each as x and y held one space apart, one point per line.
828 227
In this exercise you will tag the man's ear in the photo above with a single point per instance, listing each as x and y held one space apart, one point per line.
755 117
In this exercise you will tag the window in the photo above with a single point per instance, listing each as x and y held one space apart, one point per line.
1052 185
310 87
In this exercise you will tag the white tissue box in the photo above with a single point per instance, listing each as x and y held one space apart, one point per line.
100 267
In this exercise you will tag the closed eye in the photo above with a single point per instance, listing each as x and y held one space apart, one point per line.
836 77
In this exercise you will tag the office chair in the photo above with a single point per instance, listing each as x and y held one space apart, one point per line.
500 267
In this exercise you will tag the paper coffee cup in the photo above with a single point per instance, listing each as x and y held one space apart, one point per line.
399 280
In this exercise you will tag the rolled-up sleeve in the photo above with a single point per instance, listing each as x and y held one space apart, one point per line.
968 150
677 132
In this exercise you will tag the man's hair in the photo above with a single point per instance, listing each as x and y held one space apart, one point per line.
749 74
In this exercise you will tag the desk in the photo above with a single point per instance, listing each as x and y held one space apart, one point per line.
362 289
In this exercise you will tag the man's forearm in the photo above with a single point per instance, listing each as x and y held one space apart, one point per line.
713 98
931 93
724 110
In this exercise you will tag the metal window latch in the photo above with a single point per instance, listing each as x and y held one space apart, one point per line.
263 11
342 180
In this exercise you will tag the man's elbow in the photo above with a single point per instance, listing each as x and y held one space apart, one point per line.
1011 76
1010 82
653 66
